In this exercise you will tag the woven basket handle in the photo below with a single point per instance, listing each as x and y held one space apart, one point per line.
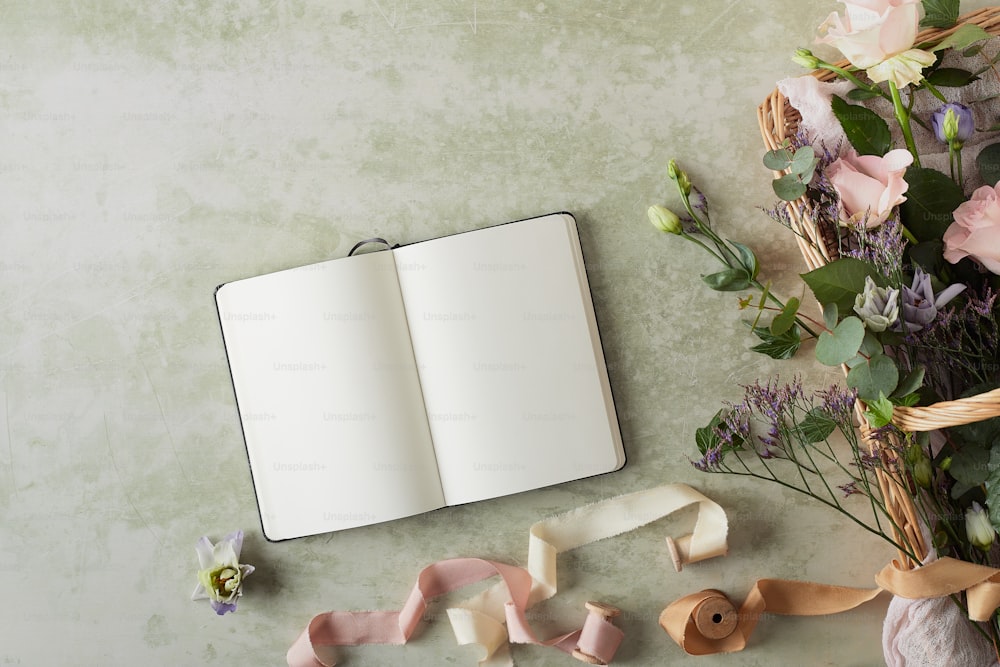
948 413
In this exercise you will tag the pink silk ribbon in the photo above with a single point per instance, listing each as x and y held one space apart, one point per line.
351 628
481 619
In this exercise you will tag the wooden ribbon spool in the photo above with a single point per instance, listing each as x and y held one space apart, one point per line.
715 616
604 612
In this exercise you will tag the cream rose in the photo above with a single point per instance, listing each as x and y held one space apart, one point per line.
869 186
975 232
877 36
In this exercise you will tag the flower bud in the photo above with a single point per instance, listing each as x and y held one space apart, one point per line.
923 473
953 124
805 58
664 219
676 174
978 527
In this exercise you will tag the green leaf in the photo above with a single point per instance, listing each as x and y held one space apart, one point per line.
875 378
861 95
928 255
988 163
930 200
940 13
866 130
705 437
816 426
778 347
784 320
778 159
993 488
951 77
910 383
830 315
966 35
970 465
747 259
836 347
838 282
789 187
879 412
803 161
728 280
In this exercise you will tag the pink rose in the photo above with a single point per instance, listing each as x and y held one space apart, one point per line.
976 230
872 31
869 186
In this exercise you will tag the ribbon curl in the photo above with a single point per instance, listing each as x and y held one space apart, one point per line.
497 615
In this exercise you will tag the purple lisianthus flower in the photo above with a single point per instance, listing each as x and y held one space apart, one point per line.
920 304
221 576
953 124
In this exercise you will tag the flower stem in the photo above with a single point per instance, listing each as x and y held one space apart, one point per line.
903 117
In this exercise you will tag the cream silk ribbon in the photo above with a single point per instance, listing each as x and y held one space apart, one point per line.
497 615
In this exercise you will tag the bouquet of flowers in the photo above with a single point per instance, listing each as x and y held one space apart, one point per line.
887 166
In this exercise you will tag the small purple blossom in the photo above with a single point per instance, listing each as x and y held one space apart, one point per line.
712 460
838 402
882 247
849 489
953 124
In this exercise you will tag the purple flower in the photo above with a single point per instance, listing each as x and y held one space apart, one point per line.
221 576
712 460
953 124
920 304
838 403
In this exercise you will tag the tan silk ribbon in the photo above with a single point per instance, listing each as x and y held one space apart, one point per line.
497 615
707 622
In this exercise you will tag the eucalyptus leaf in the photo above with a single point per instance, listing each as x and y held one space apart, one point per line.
728 280
778 159
866 130
789 187
838 282
830 315
878 377
804 160
836 347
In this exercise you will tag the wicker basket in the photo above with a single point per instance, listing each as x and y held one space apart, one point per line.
779 120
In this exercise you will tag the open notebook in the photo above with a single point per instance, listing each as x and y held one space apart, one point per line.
391 383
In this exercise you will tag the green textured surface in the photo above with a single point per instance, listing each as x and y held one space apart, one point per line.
149 153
